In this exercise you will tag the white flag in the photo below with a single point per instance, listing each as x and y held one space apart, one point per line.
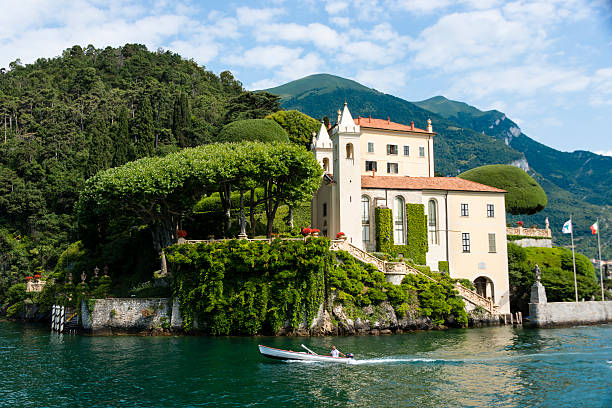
567 227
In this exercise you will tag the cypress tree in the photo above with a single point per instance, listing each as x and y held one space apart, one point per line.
122 139
143 131
100 146
181 120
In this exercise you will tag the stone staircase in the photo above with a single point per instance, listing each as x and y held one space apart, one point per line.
395 272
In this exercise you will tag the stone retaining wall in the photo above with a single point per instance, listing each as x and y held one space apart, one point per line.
570 313
130 315
533 242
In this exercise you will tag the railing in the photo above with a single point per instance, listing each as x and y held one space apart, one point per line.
529 232
402 267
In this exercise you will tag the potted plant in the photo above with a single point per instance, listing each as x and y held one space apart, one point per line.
306 231
341 235
37 276
315 232
28 278
520 224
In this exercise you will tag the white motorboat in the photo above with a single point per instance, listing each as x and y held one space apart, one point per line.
280 354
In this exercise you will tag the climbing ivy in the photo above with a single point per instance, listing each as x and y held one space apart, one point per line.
249 287
416 223
416 233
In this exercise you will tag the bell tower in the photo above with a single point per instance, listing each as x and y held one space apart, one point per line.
347 177
322 149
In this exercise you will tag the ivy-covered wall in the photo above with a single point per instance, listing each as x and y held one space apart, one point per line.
257 287
249 287
416 231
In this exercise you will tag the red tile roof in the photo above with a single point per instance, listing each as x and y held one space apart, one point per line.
425 183
386 124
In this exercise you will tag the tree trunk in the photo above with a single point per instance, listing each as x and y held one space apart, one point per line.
225 193
252 206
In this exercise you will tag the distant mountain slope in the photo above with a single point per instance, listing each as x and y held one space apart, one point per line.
585 174
457 149
576 183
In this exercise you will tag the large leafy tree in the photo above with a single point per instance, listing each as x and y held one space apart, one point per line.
158 191
525 196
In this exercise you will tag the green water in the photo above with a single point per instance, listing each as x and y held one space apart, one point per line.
500 366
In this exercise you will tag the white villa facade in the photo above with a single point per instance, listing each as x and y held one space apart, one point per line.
370 163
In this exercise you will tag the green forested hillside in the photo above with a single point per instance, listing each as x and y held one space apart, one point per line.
576 183
64 119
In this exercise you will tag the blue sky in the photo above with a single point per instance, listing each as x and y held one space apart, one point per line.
546 64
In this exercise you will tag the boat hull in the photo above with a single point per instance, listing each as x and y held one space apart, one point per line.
280 354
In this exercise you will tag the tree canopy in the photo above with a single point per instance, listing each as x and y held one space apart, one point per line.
298 126
255 130
158 191
525 196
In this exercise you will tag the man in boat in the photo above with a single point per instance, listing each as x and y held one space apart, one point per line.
335 352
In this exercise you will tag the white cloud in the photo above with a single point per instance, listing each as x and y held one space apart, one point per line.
264 84
334 7
341 21
264 56
462 41
602 89
316 33
388 79
420 6
604 152
525 80
251 17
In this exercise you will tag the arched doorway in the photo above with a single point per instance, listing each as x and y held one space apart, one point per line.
484 287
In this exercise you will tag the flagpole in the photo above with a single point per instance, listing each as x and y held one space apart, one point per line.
600 272
574 258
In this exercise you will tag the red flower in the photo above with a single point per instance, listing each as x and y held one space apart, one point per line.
181 233
306 231
314 230
28 278
519 223
340 235
37 276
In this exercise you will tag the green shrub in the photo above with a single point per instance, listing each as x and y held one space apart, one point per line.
525 196
16 293
13 311
416 246
443 267
298 126
254 130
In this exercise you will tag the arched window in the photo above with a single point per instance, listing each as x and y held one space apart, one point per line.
398 221
326 164
349 150
432 222
365 219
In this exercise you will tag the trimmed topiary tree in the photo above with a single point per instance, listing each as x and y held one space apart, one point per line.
525 196
298 126
254 130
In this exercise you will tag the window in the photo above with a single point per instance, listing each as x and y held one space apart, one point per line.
349 150
391 149
370 147
490 210
371 165
398 221
432 220
492 248
326 164
365 219
325 209
465 241
392 168
464 210
421 152
406 150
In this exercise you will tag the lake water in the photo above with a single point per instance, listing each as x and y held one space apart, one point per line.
497 366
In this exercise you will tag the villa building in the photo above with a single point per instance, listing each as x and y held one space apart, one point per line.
375 165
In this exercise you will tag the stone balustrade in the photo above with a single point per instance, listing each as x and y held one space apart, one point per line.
529 232
35 285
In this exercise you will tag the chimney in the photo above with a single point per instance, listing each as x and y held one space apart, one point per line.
388 119
411 125
370 119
